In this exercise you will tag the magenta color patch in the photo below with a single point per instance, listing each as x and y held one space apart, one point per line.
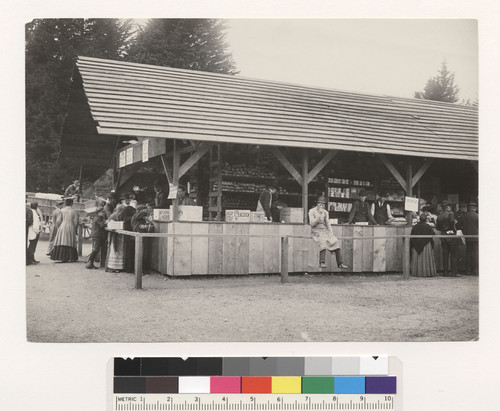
225 385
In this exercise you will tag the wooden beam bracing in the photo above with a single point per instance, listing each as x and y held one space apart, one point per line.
418 175
194 158
321 165
165 168
305 184
393 171
287 164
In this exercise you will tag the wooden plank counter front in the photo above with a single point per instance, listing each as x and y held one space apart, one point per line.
216 255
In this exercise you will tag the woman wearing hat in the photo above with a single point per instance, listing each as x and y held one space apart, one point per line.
66 225
322 233
53 228
422 249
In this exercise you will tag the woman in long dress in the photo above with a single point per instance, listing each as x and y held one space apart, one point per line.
66 224
422 250
322 233
120 251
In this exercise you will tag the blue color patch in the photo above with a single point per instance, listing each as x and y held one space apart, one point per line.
349 385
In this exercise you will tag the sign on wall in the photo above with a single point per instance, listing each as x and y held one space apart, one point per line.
411 204
145 150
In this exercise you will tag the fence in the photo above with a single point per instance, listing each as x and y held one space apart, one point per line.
284 247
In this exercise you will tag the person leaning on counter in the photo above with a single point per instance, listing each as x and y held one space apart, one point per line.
360 211
381 210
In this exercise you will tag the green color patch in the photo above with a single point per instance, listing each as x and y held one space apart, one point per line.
317 385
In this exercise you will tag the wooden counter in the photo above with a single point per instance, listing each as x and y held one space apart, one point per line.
202 255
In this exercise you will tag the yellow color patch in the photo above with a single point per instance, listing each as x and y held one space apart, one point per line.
287 385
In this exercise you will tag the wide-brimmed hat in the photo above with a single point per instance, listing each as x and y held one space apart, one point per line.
124 196
321 199
472 204
445 203
273 184
362 193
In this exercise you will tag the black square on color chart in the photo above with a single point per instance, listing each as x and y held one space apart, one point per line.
209 366
127 366
129 385
168 366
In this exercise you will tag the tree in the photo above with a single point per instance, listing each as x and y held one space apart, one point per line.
195 44
440 88
52 46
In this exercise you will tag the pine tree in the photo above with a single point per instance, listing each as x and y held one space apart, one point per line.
440 88
52 46
196 44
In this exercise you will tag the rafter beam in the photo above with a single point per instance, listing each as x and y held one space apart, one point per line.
394 171
165 168
321 165
418 175
287 164
194 158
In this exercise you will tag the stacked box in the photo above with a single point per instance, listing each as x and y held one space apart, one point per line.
188 213
258 217
161 214
115 225
238 216
292 215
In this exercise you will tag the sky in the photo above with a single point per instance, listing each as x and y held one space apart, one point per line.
392 57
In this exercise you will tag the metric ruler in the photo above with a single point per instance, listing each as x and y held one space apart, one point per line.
267 384
256 402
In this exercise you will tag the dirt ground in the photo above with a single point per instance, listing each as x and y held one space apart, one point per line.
68 303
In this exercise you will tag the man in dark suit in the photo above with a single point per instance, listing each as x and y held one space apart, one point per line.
360 211
469 224
446 225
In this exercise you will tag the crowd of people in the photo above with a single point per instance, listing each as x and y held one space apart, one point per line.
116 252
465 222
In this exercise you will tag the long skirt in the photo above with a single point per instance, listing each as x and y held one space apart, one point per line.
325 239
116 252
423 264
64 253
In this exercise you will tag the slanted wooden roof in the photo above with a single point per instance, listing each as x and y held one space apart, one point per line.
128 99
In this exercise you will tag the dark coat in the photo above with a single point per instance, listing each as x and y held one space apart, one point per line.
360 212
469 224
446 222
421 228
99 224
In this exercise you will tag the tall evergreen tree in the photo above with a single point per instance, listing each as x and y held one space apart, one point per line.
52 46
196 44
441 87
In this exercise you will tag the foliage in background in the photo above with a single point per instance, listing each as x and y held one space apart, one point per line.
195 44
51 48
441 87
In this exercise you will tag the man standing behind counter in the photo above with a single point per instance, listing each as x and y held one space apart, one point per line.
184 199
381 210
360 211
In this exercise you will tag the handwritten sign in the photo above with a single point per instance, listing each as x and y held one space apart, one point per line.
411 204
145 150
172 193
121 162
129 156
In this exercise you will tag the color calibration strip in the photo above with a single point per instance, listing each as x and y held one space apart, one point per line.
272 375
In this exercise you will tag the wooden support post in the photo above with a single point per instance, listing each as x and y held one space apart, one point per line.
305 184
80 238
175 181
284 259
138 262
406 257
475 165
393 170
409 190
